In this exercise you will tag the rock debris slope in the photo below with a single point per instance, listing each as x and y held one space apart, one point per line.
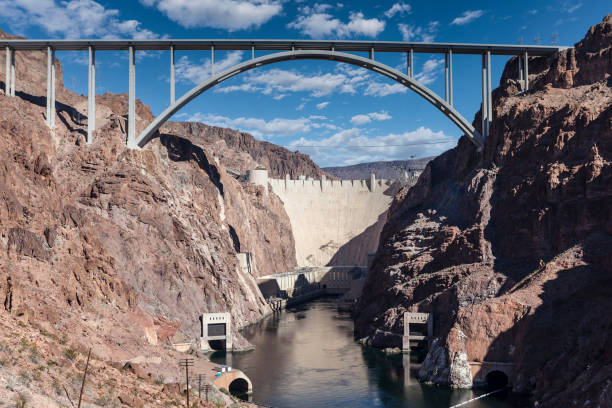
511 248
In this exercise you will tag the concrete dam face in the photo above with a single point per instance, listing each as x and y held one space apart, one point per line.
334 223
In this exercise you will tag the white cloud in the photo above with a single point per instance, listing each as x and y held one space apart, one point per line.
400 8
316 23
570 7
73 18
431 68
197 73
231 15
322 105
411 32
362 119
265 129
278 81
383 89
359 120
350 146
467 17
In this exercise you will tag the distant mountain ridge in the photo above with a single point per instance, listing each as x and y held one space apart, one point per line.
382 169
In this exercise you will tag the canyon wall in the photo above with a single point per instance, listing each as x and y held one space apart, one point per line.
334 222
511 248
120 250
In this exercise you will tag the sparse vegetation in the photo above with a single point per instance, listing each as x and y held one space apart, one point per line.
57 387
20 400
25 377
71 354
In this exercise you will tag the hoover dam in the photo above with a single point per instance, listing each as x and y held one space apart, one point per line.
334 222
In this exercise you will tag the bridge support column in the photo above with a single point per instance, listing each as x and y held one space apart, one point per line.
91 96
212 60
486 110
521 75
410 64
489 96
132 100
371 53
49 63
526 70
9 83
7 72
172 85
448 77
13 73
50 87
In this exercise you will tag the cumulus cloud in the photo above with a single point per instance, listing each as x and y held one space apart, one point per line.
265 129
315 22
73 18
196 73
231 15
467 17
429 73
351 146
278 81
384 89
322 105
411 32
362 119
398 8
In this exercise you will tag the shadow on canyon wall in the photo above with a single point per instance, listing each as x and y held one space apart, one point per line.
575 309
355 251
181 149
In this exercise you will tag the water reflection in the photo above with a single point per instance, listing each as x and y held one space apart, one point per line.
306 357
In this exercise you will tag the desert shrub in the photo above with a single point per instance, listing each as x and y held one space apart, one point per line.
25 377
20 400
71 354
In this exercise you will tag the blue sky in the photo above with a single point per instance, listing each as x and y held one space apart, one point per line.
348 114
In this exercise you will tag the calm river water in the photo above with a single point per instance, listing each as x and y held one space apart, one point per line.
306 357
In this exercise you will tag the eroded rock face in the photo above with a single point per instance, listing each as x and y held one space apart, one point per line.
511 248
123 249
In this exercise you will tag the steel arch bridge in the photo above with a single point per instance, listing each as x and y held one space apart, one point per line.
281 50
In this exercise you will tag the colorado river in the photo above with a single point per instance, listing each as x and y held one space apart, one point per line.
306 357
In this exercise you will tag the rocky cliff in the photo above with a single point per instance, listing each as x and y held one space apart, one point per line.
511 248
120 250
278 160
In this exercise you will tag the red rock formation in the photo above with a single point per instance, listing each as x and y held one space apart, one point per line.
122 249
511 248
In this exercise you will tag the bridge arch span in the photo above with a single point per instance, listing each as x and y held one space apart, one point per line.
462 123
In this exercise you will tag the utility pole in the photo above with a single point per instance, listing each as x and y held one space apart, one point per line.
186 362
207 389
84 375
200 381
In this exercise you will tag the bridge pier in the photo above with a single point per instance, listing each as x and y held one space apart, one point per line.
132 100
526 70
9 84
91 96
50 87
172 85
410 64
448 77
487 109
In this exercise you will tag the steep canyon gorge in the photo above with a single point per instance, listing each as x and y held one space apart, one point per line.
120 250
